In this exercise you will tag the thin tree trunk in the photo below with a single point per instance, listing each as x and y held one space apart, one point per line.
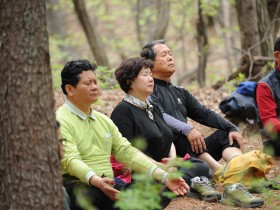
91 34
226 34
144 22
162 19
30 171
147 28
202 41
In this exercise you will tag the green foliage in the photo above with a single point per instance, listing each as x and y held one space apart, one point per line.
106 78
144 194
58 57
210 8
56 78
139 143
270 197
232 84
268 67
181 17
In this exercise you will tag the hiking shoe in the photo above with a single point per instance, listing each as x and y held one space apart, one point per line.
201 188
262 186
210 181
238 195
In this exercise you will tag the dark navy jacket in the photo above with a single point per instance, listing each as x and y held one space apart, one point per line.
180 104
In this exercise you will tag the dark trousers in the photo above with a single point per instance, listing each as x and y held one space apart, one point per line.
197 168
79 192
216 143
271 146
94 197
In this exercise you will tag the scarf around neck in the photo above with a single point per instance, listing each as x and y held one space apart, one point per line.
140 104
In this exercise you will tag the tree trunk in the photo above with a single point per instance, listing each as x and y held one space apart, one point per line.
91 34
250 40
162 20
202 41
30 171
149 28
144 23
265 28
226 17
273 7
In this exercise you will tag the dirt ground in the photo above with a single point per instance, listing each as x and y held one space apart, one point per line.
210 98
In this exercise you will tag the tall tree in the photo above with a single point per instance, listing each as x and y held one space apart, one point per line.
259 22
29 164
249 35
268 12
92 35
202 42
152 18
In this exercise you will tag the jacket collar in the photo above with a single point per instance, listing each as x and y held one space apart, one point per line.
162 82
75 110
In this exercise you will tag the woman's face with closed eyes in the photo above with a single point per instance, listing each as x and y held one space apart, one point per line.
142 86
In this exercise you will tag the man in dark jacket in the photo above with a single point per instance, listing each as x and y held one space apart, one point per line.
268 101
177 104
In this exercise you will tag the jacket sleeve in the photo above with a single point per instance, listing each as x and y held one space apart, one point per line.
72 161
174 124
201 114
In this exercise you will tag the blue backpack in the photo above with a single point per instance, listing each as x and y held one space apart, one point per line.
246 88
241 103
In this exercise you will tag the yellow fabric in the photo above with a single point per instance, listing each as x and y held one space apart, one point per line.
245 168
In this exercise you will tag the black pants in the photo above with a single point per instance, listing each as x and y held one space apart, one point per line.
197 168
216 143
272 146
94 197
79 191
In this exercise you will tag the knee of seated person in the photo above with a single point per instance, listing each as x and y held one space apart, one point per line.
197 168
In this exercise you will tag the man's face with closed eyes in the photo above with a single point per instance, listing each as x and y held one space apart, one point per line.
164 65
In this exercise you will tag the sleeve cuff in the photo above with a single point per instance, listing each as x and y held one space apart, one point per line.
151 170
88 175
187 129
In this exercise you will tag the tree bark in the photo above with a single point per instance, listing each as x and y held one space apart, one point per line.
149 29
250 42
30 171
202 41
91 34
265 28
273 7
161 25
226 14
144 23
250 39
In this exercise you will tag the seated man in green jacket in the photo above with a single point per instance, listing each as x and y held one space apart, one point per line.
91 138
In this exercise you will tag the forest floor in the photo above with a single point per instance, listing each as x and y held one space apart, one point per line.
210 98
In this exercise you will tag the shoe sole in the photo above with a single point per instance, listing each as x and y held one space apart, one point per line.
230 202
215 198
